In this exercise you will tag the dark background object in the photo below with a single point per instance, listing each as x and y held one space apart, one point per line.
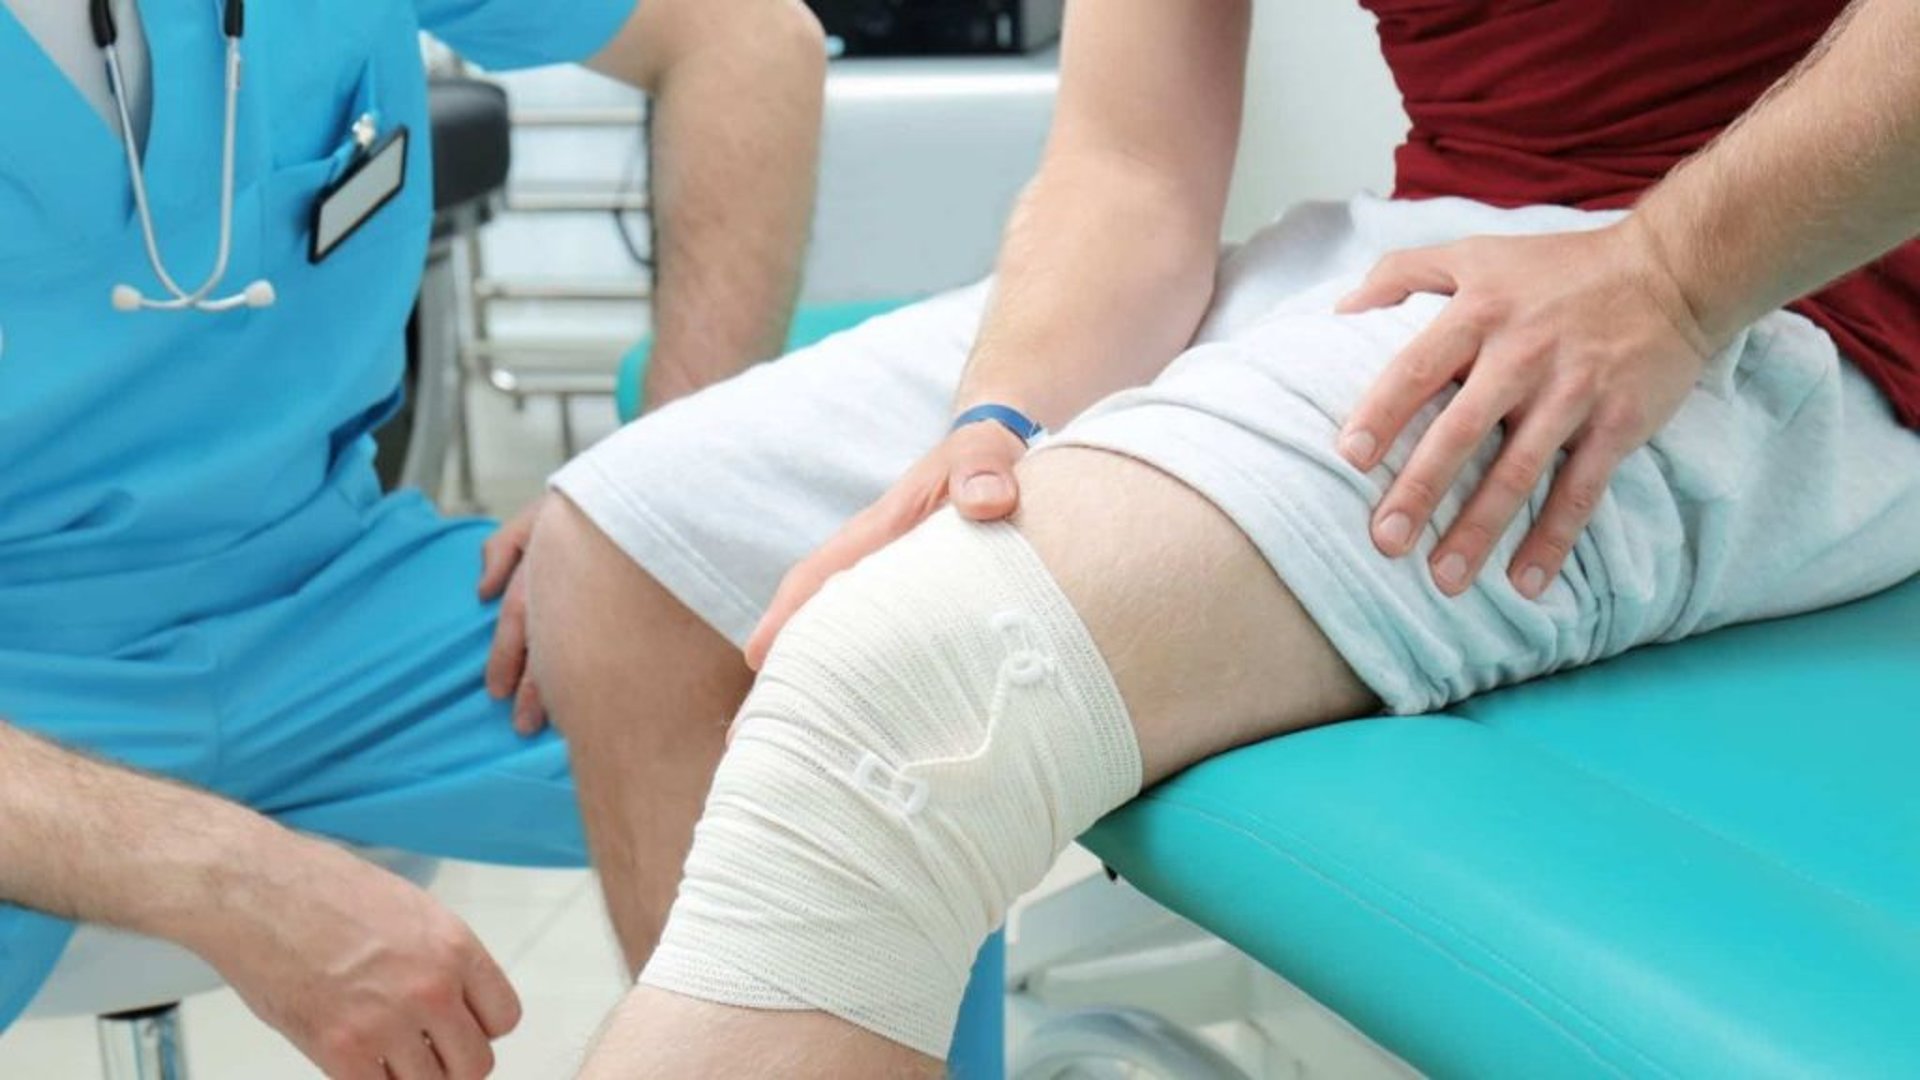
939 27
472 150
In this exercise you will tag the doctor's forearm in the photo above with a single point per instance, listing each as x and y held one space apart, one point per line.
1821 176
91 842
737 89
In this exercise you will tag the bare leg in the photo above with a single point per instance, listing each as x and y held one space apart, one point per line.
643 690
1209 650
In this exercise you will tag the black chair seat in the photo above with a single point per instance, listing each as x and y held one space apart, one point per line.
472 143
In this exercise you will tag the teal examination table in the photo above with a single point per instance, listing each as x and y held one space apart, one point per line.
1695 860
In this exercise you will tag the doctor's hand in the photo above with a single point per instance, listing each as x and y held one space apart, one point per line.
1580 341
972 469
364 972
507 675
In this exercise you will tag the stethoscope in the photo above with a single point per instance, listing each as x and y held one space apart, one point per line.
257 294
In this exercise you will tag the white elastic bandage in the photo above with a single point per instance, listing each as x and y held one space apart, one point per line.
927 735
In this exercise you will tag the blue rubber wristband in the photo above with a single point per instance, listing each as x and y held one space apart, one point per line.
1023 426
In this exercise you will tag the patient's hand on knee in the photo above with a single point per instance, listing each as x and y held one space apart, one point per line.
972 468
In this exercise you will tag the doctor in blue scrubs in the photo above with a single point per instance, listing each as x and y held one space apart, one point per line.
218 639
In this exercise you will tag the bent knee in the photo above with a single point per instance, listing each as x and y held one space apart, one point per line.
926 736
600 626
563 532
573 566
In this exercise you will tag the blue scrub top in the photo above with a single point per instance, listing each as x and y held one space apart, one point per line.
161 466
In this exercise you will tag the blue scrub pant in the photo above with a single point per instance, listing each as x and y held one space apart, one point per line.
349 705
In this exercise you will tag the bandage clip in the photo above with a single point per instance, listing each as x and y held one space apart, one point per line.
904 795
1025 665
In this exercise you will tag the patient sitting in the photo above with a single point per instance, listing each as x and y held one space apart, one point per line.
1601 374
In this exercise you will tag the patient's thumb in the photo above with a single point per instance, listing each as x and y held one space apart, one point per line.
984 491
980 475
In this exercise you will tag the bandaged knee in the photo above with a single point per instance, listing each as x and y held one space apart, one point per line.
927 735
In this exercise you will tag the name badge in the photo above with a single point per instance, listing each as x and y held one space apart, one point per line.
369 183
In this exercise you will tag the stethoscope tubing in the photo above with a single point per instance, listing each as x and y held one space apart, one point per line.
125 297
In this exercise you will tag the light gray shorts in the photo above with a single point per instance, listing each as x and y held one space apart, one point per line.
1784 484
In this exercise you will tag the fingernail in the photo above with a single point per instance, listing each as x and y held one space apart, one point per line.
1532 581
1452 571
1395 530
1358 447
984 487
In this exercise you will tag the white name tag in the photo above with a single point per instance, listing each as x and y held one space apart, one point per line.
371 182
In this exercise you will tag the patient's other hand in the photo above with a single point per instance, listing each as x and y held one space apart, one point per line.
971 468
507 674
1579 341
364 972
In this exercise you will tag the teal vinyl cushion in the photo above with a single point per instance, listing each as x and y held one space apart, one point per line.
1699 859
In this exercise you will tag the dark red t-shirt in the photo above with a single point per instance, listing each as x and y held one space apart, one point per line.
1588 102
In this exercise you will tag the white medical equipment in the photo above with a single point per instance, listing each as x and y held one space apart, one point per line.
258 293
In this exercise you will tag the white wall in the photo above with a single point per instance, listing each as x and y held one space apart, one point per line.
1321 120
1322 114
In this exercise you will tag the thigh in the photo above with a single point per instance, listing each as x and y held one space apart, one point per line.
354 706
718 494
151 704
1209 648
1781 485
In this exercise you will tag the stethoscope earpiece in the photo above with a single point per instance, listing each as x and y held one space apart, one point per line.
260 293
